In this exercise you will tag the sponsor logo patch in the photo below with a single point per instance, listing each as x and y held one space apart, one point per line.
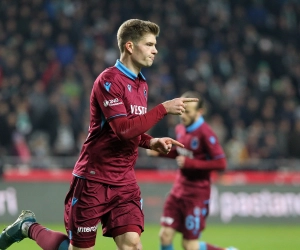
185 152
167 220
87 229
112 102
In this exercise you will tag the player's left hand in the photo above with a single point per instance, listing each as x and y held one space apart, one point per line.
180 161
164 145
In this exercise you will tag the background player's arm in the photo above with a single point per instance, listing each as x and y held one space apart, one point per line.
172 154
215 151
186 162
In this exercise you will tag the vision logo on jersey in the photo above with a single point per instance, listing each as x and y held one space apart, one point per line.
185 152
129 87
138 110
87 229
107 86
194 143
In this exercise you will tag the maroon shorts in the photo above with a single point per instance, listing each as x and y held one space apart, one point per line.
185 216
88 203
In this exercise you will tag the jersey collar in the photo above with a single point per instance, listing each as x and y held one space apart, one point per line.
120 66
195 125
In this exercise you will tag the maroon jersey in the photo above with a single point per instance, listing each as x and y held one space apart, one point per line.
200 143
104 157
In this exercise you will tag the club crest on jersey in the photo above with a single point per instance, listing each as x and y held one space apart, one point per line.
194 143
129 87
107 86
145 93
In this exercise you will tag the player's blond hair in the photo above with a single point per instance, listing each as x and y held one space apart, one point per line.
133 30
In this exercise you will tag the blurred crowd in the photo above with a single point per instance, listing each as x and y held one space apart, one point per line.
242 56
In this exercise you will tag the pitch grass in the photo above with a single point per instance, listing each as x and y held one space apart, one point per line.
244 237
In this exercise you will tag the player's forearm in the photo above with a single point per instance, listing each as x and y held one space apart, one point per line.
219 164
127 129
145 141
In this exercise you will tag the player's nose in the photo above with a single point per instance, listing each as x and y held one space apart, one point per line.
154 51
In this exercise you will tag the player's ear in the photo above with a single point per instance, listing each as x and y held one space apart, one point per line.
202 111
129 46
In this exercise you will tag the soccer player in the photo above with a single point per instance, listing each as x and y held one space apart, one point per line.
187 205
104 187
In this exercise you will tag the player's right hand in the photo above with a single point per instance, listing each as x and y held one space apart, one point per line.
164 145
177 105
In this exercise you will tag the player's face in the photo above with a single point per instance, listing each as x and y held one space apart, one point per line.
144 51
191 114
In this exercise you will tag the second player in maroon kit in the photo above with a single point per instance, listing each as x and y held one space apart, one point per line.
187 206
202 154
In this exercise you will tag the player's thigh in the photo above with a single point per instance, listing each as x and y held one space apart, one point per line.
83 212
126 215
195 213
172 215
190 244
128 241
166 235
78 248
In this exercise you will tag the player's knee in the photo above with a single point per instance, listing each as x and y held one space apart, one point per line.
129 241
165 236
130 245
190 244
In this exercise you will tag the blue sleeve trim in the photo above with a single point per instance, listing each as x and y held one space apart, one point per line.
82 177
114 116
219 157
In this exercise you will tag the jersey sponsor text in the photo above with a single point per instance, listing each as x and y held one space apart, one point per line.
86 229
185 152
138 110
167 220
